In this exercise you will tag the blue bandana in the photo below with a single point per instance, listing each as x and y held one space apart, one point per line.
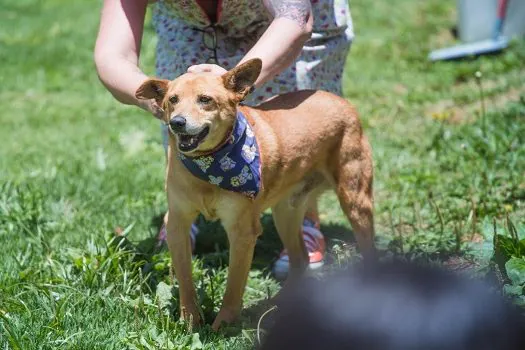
236 166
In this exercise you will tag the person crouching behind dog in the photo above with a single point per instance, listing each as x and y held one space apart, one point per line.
303 44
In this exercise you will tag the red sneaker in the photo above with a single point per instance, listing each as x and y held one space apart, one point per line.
315 246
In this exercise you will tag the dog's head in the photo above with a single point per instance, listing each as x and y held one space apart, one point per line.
200 108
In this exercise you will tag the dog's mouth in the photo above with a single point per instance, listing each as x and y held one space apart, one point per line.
189 142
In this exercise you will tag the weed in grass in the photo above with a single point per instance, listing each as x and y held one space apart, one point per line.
509 260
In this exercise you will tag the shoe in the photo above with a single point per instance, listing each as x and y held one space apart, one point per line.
161 237
315 246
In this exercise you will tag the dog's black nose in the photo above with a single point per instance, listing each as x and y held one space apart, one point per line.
178 123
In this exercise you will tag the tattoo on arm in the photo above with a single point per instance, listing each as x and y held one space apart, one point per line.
296 10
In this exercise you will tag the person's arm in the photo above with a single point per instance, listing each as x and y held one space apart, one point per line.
282 41
117 50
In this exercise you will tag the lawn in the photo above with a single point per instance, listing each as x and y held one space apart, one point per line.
81 178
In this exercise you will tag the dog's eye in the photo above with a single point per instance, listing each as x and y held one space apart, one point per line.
204 99
174 99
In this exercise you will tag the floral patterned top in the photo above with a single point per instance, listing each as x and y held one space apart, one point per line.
187 36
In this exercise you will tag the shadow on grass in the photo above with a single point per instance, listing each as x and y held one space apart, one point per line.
212 245
212 250
212 242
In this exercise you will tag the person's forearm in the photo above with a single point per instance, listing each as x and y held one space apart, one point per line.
121 77
283 41
118 46
278 48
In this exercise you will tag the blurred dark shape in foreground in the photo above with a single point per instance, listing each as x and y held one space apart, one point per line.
394 307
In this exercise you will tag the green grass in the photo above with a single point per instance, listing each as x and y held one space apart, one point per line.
75 166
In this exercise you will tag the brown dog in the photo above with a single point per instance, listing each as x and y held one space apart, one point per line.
306 142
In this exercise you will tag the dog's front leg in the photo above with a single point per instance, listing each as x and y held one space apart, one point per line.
243 230
178 225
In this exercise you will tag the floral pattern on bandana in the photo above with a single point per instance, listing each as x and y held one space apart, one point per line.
215 180
227 163
234 167
248 152
242 178
204 162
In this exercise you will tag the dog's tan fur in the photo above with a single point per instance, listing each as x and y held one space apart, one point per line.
309 141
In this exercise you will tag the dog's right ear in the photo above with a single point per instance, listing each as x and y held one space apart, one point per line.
152 89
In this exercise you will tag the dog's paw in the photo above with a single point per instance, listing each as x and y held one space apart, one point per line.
191 315
225 316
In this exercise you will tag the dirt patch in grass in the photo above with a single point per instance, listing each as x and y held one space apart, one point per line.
456 113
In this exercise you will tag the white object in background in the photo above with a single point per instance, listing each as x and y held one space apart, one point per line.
470 49
515 18
477 18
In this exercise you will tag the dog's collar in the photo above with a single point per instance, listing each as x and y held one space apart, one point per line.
220 145
236 166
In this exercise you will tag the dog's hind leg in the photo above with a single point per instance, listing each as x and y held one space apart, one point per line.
354 179
288 219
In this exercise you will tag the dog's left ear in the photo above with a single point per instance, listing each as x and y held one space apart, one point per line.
241 79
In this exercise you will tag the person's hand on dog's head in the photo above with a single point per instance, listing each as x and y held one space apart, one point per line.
207 68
